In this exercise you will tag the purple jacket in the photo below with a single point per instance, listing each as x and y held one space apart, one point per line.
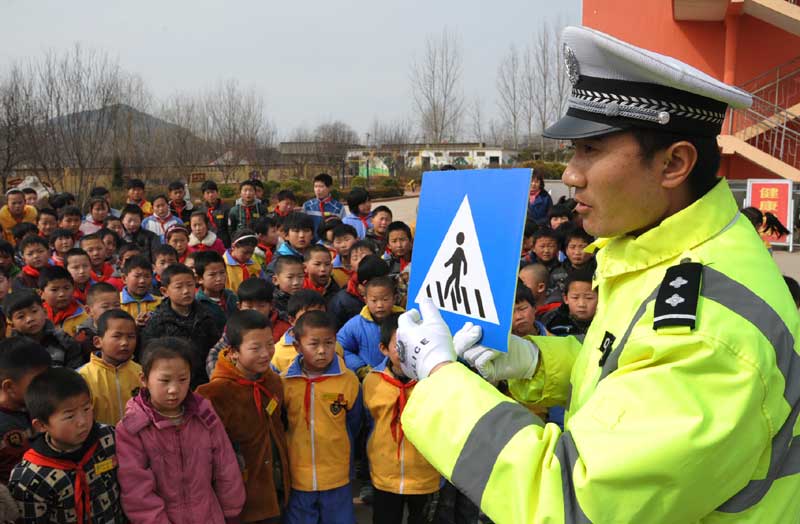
177 474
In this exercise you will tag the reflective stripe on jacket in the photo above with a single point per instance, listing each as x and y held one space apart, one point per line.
677 425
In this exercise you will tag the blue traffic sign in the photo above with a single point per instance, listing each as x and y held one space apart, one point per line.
467 247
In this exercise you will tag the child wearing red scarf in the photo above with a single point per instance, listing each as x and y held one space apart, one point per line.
97 250
35 253
400 243
178 205
161 219
76 261
400 474
57 288
98 211
317 266
61 241
70 473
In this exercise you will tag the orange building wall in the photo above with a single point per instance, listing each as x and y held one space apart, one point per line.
762 47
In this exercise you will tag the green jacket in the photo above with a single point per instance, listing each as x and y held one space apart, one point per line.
678 424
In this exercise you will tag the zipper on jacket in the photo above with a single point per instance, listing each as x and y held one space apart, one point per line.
313 448
402 465
119 392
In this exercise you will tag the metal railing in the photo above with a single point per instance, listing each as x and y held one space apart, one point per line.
768 128
780 85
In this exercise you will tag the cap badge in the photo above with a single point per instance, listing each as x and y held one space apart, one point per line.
573 69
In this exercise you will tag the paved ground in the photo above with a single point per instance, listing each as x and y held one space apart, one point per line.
405 209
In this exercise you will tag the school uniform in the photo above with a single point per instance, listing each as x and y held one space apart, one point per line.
238 272
111 386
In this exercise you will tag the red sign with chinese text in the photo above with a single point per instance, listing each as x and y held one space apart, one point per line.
773 196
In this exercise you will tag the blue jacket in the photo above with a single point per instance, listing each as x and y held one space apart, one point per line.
353 220
537 211
333 208
360 338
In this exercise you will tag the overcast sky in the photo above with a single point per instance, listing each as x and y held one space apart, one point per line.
313 61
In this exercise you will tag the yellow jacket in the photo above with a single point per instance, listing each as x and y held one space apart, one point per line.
396 467
673 423
236 274
320 436
7 222
71 323
285 352
112 387
133 306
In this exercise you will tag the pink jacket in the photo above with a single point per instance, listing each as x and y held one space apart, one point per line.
210 243
177 474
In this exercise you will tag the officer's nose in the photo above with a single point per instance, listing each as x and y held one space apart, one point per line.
571 177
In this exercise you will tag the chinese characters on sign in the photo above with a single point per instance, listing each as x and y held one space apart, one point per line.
773 196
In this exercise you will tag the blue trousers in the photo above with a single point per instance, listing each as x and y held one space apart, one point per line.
333 506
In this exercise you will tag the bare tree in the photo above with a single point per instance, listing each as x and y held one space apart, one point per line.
335 132
510 83
392 132
436 88
476 120
12 123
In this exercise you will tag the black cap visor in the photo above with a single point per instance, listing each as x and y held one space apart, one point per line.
571 127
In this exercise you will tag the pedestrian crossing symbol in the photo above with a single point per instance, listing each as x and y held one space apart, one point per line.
457 280
467 247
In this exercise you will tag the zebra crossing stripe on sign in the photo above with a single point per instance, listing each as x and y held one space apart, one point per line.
457 279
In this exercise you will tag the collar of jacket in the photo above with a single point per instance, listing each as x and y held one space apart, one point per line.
367 315
127 298
296 369
140 413
97 359
230 261
227 370
681 232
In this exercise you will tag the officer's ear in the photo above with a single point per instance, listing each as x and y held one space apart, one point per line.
679 160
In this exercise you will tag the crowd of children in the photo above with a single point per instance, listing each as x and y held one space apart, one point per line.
171 362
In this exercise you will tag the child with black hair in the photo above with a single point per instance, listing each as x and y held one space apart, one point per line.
216 211
176 463
178 205
255 294
239 262
15 211
344 236
285 204
69 475
147 241
209 268
247 395
112 243
7 261
202 238
381 218
559 214
317 266
535 277
61 241
21 360
288 280
545 248
247 210
46 222
360 336
323 207
102 271
99 209
527 256
126 251
325 234
401 243
359 205
35 254
180 315
401 476
298 233
31 197
100 298
135 297
318 389
114 223
161 219
111 373
574 242
23 230
177 236
69 217
163 257
300 303
136 196
349 301
5 289
575 315
266 229
523 321
57 287
76 262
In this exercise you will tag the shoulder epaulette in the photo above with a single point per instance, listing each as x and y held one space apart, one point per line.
676 303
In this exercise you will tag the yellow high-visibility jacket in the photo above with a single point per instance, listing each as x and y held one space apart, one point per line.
678 424
111 386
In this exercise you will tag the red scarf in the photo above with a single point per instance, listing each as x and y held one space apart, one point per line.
307 400
105 273
532 197
247 215
258 388
31 272
278 212
352 286
80 294
403 263
179 208
163 221
309 284
399 406
83 499
245 272
322 203
364 220
58 317
57 260
210 214
94 223
267 253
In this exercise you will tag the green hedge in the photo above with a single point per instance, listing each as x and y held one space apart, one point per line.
550 170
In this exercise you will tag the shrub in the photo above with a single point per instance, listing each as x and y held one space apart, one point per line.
550 170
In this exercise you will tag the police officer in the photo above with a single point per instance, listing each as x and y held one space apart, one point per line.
682 400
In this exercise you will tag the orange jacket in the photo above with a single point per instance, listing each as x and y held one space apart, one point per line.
7 222
324 417
395 464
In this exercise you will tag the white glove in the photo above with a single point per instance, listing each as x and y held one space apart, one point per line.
519 362
466 337
423 342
